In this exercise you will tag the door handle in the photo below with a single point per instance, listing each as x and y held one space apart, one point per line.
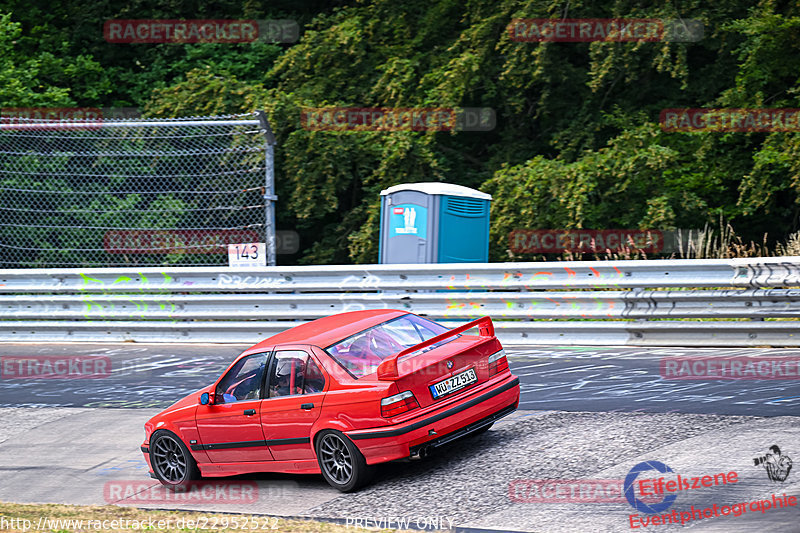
307 406
249 412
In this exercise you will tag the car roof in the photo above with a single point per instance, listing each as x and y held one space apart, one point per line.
328 330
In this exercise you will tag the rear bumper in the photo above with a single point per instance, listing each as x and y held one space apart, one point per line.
463 432
438 427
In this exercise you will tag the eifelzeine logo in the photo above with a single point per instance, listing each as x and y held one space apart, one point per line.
638 503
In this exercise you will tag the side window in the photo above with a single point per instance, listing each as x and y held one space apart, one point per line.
288 373
243 381
293 373
315 380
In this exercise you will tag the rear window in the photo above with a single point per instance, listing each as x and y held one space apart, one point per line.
360 354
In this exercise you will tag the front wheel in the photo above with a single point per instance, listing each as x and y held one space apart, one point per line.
342 464
172 463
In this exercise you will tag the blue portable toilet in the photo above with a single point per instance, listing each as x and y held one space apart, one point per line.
434 223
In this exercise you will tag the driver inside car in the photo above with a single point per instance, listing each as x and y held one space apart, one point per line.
281 383
242 386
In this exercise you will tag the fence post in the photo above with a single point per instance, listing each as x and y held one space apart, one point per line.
269 189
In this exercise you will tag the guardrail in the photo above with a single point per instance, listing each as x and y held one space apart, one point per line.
581 303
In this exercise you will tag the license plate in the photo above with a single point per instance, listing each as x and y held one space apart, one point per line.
453 383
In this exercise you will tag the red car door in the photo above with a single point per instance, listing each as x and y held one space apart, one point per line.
230 428
295 390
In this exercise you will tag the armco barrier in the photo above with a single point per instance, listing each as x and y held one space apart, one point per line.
580 303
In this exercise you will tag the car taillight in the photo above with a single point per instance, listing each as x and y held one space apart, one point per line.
498 362
397 404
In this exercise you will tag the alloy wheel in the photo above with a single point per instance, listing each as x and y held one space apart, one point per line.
336 458
169 460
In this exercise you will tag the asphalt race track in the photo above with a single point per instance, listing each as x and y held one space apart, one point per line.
587 416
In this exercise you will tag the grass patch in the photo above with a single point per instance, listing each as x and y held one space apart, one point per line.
58 518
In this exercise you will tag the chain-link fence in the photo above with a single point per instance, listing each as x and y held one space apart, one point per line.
133 192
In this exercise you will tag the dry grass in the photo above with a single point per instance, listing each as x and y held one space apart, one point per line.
709 243
790 247
720 243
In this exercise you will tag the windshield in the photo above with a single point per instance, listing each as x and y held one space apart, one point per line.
360 354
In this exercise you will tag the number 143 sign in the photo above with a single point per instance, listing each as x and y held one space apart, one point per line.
252 254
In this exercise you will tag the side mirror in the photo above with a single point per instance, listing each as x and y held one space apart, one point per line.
206 398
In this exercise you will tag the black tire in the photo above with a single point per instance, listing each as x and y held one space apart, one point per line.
171 460
342 464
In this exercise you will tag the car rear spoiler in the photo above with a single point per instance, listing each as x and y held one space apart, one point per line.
387 370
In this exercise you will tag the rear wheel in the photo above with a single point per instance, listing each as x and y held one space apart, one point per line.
172 463
342 464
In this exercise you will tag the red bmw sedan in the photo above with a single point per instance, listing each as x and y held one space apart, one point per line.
337 396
